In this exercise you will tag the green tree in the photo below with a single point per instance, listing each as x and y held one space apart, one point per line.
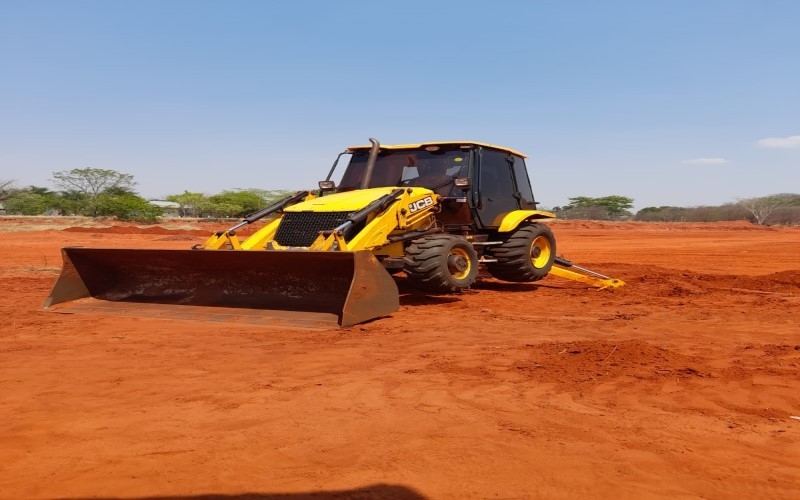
26 203
190 203
127 207
613 207
120 191
220 209
70 202
40 190
248 200
32 200
92 182
52 199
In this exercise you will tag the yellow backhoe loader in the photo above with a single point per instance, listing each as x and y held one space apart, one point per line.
435 211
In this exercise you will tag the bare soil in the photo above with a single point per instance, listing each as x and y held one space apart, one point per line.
683 384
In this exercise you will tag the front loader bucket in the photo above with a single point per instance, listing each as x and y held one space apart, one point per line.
277 288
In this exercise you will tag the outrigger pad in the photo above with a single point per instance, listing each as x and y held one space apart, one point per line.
306 288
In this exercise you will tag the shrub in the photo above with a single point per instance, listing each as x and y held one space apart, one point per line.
128 207
26 203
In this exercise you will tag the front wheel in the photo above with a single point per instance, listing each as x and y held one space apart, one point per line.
527 255
441 263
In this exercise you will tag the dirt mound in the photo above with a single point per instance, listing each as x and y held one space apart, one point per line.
665 282
575 363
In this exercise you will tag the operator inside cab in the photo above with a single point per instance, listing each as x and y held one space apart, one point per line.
433 171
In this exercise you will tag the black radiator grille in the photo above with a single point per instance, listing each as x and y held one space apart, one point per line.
300 229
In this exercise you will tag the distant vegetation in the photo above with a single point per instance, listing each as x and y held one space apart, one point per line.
108 193
776 209
236 203
605 208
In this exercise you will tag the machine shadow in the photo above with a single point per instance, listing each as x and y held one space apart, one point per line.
416 299
411 296
502 286
372 492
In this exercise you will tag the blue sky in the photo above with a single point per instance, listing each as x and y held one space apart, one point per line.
670 103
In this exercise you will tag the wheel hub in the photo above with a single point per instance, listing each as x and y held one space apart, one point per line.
457 263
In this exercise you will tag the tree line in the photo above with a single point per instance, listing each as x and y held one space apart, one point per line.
107 193
98 192
776 209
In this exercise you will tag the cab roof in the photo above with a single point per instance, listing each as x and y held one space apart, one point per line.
421 145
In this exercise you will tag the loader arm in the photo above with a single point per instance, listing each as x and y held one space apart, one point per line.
403 212
230 240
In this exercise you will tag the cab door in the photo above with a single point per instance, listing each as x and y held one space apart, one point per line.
496 190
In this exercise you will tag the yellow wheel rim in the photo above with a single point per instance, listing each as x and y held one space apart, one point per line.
458 263
540 252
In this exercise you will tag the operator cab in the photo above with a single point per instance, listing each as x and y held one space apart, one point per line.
479 182
434 167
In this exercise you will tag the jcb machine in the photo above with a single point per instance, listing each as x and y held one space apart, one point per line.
435 211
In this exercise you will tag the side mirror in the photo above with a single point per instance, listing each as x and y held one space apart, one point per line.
327 186
462 183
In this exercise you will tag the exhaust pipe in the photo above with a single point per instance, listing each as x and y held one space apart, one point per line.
373 157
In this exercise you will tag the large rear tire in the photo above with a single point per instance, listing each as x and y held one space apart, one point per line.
527 255
441 263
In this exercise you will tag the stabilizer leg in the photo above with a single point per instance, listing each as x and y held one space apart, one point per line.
566 269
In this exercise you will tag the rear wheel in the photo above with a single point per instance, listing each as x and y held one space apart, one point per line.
441 263
527 255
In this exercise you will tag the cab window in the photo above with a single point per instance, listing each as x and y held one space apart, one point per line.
523 184
496 187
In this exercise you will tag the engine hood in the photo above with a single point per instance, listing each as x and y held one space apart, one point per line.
349 201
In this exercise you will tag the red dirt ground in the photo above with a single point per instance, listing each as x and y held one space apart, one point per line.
683 384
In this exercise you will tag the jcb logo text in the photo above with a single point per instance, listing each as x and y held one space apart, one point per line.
419 205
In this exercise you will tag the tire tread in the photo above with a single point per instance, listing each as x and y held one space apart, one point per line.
513 256
425 268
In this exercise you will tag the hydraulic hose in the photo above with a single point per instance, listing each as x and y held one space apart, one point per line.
278 205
